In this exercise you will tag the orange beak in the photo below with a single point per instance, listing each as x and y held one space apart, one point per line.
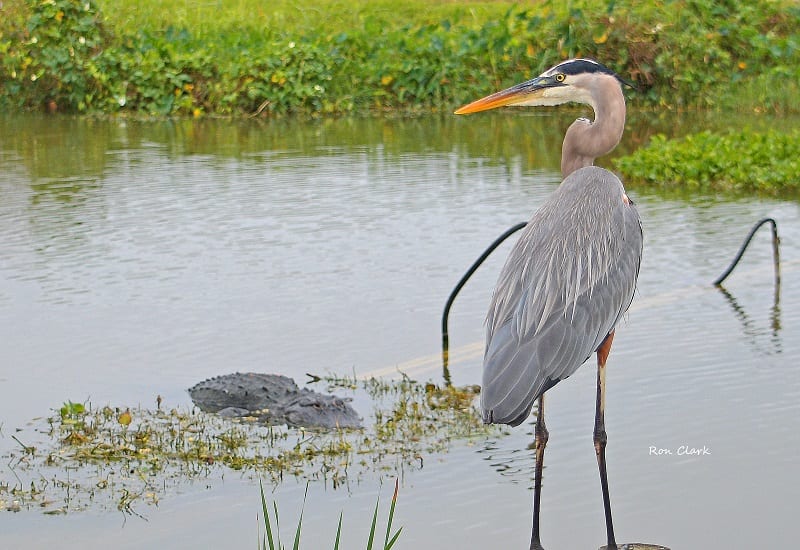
526 93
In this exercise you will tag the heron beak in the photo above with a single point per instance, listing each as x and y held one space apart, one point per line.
531 92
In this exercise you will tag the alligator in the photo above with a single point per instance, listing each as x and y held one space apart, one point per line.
272 399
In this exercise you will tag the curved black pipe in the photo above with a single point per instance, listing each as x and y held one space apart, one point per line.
474 267
775 251
499 240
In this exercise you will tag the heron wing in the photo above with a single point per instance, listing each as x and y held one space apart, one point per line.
565 286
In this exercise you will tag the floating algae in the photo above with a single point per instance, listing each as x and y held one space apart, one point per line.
122 457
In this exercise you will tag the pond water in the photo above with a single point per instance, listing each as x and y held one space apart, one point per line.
138 258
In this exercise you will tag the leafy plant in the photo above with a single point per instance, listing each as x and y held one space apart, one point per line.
146 57
72 412
54 60
740 161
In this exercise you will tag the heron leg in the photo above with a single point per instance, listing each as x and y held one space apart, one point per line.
540 441
600 437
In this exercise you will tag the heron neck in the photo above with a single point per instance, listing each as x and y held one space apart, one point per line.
586 140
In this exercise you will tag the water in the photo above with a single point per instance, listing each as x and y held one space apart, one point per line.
141 257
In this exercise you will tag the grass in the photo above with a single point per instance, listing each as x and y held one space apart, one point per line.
209 19
245 58
271 539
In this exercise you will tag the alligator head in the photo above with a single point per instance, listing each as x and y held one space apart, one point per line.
312 409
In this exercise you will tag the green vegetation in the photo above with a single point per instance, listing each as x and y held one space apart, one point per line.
744 161
245 57
271 539
121 457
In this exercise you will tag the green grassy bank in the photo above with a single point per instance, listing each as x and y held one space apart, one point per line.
244 57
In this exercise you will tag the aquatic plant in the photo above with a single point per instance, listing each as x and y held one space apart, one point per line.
124 456
737 161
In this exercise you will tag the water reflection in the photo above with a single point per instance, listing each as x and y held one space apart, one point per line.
516 464
751 331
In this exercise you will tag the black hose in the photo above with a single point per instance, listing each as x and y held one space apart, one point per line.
497 242
775 251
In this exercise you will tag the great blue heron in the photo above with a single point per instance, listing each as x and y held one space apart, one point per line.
572 274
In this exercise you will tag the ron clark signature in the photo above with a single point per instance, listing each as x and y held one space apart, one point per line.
683 450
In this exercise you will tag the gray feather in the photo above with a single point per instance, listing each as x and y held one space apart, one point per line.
565 286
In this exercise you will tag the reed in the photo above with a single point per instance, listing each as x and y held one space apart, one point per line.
271 539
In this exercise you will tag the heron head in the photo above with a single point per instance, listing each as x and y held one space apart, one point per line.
573 80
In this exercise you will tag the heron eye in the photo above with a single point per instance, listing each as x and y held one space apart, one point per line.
560 77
